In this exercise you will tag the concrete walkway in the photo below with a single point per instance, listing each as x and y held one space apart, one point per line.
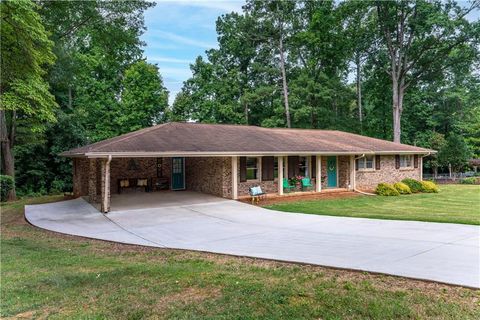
441 252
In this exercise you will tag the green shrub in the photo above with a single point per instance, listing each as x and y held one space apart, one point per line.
402 188
6 184
470 180
429 187
414 185
386 189
57 186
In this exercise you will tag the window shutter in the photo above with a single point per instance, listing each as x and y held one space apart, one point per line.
292 166
267 168
243 169
356 164
377 162
415 161
397 161
313 165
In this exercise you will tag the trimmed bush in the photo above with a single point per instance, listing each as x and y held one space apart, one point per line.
429 187
414 185
470 180
6 184
402 188
386 189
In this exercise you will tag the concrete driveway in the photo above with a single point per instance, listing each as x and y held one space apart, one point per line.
441 252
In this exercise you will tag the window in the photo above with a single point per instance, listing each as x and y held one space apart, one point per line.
275 168
406 161
252 168
303 166
366 163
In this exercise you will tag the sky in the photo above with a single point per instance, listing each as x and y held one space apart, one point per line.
178 32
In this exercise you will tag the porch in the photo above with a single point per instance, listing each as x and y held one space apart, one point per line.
135 183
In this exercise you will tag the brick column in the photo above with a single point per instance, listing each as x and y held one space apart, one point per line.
92 180
352 173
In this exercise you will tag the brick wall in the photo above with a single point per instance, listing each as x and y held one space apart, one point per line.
80 177
209 175
368 180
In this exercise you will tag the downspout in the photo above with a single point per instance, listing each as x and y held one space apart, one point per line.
355 189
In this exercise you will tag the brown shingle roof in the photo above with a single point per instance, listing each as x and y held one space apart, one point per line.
204 139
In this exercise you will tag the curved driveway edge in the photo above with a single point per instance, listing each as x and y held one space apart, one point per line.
448 253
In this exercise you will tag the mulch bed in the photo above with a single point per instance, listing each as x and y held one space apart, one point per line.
272 199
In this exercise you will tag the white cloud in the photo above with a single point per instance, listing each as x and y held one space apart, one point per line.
170 60
181 39
177 74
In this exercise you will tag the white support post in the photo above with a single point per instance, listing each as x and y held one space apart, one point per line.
234 178
352 173
280 175
318 181
105 206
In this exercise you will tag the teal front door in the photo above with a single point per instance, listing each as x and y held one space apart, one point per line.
178 173
332 172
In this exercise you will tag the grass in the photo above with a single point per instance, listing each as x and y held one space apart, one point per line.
453 204
45 274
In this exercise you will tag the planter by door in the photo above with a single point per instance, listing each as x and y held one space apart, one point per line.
178 173
332 172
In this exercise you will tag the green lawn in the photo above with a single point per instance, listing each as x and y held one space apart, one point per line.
44 274
454 204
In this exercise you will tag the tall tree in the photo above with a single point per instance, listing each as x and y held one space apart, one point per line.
275 25
420 37
143 97
26 52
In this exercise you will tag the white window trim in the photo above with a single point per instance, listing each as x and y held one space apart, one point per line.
259 170
364 159
411 166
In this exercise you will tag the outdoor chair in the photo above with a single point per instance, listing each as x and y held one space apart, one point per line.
306 184
256 193
287 186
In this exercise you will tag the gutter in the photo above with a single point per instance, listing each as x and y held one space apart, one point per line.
144 154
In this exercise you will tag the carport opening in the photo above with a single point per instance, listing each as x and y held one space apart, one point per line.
136 183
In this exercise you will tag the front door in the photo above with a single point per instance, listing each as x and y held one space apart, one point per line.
332 172
178 173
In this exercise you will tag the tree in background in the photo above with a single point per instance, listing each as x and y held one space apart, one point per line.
26 103
143 99
454 154
423 38
94 81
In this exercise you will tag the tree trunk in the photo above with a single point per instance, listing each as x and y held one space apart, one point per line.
70 98
8 165
397 95
284 80
245 110
359 91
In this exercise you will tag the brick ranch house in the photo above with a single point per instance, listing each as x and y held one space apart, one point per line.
226 160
